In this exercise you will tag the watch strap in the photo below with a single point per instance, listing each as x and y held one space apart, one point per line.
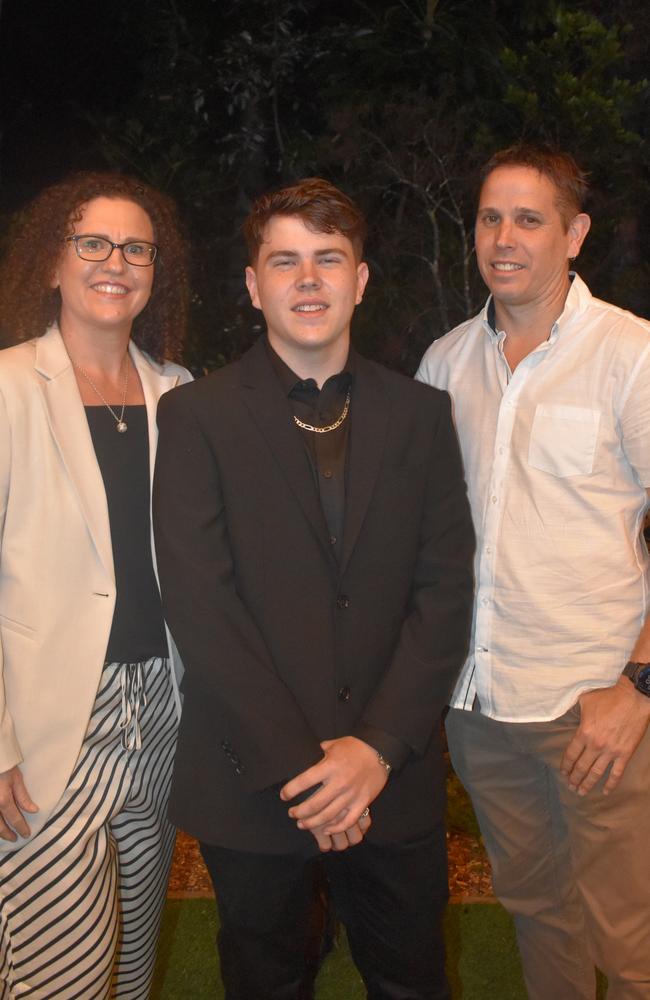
639 675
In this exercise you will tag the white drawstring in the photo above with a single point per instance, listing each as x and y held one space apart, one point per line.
133 699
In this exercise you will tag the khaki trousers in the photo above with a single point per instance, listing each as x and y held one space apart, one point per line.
573 871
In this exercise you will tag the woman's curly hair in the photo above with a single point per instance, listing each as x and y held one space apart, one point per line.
28 304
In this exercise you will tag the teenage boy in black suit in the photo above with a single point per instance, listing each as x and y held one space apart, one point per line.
314 544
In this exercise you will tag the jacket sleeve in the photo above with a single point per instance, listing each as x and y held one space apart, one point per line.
10 753
433 640
225 657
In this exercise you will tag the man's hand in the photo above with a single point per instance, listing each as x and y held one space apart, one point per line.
341 841
613 722
14 800
350 776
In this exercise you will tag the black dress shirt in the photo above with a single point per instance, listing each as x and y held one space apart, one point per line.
328 456
327 452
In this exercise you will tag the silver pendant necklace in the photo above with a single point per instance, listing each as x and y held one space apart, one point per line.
121 424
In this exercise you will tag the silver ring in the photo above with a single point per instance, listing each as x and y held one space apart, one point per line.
365 813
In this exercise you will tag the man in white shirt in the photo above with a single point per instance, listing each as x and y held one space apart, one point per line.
549 721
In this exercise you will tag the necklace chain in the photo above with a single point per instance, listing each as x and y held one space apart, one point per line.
121 424
328 427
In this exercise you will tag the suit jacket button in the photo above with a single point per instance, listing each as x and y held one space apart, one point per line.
343 601
344 693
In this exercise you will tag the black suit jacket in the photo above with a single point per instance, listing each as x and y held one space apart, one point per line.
271 627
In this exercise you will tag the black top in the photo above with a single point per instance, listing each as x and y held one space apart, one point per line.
138 630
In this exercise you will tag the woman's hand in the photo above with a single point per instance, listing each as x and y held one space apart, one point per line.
14 800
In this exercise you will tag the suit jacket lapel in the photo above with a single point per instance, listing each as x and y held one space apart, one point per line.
71 433
370 417
265 400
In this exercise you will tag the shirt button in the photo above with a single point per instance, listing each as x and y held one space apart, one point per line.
501 450
343 601
485 601
327 474
493 499
333 539
344 693
488 549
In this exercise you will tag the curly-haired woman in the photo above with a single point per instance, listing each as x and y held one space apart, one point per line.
94 289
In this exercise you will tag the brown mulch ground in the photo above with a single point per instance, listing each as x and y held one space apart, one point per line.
469 869
188 875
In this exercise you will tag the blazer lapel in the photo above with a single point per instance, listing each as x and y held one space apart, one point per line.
154 383
370 417
71 433
271 413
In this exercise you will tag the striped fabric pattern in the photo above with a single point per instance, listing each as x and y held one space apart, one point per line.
81 903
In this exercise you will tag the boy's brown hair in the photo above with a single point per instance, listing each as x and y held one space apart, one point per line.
320 205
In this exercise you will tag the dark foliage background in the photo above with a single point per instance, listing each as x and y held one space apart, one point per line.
397 102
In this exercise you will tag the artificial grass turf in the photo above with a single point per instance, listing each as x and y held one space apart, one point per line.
482 956
483 962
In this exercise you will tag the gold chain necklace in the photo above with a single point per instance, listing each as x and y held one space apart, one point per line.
121 424
328 427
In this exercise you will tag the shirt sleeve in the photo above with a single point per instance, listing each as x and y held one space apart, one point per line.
424 372
635 419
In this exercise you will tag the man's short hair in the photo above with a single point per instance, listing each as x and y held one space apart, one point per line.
560 168
321 207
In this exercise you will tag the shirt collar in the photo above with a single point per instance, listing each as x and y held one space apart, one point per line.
577 300
290 381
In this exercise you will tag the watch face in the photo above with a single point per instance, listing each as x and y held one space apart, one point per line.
643 680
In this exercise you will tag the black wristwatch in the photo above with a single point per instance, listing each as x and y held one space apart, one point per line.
639 674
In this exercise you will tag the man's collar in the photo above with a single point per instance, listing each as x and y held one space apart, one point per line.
289 380
576 301
490 314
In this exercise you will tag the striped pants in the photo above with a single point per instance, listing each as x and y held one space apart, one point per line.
81 903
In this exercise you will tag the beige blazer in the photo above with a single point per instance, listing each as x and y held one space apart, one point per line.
57 582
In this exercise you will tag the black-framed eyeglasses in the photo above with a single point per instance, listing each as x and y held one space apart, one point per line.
98 248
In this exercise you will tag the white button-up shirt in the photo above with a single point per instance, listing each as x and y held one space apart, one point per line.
557 458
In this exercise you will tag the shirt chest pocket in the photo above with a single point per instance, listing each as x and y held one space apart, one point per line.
563 439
